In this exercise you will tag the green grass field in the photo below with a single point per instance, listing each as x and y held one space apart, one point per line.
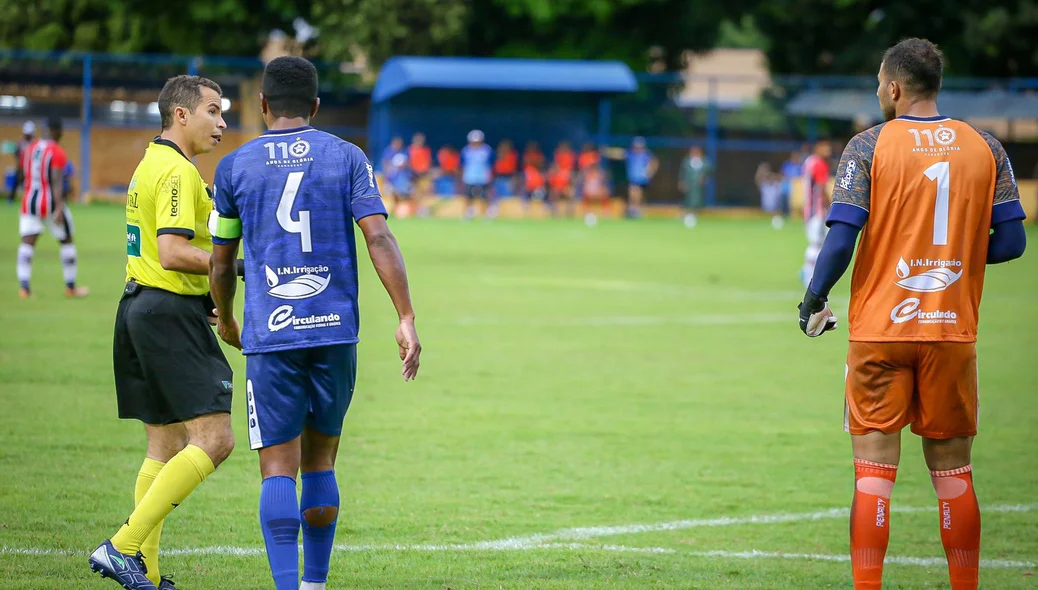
576 383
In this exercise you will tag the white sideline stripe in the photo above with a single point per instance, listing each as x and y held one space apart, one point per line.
755 554
549 540
920 561
584 533
752 554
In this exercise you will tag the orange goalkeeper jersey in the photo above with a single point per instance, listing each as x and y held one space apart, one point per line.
929 191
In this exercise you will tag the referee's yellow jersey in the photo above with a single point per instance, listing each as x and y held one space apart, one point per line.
166 196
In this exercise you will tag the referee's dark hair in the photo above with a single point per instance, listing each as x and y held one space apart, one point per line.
290 87
918 65
183 91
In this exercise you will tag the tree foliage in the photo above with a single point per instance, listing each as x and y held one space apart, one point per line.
219 27
979 37
639 32
377 30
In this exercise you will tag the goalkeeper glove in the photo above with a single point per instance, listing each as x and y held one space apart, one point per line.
815 316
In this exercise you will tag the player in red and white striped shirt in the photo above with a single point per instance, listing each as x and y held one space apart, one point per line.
815 180
44 203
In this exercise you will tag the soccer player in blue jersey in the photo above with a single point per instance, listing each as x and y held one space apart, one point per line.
292 195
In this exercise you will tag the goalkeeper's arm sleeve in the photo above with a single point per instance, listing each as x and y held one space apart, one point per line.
835 257
1008 241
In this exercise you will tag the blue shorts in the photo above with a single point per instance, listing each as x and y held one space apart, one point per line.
290 389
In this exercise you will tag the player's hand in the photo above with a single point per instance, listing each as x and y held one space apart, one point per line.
410 348
230 331
210 309
815 316
59 217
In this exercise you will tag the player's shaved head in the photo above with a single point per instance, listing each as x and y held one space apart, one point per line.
55 128
916 64
290 87
185 92
824 148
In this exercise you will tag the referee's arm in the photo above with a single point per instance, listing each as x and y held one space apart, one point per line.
177 254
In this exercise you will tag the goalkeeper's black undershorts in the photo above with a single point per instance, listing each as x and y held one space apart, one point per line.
168 363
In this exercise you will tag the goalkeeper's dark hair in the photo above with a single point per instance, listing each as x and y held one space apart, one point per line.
290 87
918 65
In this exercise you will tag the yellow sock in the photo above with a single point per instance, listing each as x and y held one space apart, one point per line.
172 485
150 547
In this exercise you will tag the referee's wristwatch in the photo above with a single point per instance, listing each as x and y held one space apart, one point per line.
239 268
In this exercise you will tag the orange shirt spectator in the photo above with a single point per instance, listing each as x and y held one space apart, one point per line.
448 159
419 155
589 157
565 158
507 163
533 179
533 155
559 178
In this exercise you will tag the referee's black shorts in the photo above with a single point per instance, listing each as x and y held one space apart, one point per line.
168 364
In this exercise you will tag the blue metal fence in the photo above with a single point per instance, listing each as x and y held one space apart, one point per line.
739 121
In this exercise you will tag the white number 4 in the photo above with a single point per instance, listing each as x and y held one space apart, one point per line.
284 214
941 172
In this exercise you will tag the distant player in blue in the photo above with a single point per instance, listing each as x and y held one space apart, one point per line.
641 166
292 195
477 168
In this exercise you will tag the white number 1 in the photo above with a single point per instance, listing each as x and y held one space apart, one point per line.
284 213
941 172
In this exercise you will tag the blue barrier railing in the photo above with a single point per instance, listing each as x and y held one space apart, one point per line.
707 123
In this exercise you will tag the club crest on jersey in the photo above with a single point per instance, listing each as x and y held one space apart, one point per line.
929 281
299 148
944 135
307 284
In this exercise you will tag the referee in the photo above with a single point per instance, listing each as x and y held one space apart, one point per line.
170 373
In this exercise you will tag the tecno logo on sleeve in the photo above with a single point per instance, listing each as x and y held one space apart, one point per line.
173 186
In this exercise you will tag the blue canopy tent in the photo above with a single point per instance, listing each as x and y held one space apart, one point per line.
546 101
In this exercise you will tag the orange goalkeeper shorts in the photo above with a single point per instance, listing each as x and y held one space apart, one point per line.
931 386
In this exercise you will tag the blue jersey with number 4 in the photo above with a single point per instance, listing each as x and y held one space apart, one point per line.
297 193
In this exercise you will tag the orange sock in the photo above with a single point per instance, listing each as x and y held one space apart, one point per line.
960 525
870 522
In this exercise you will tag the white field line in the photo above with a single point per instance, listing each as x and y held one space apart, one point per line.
752 554
755 554
550 541
584 533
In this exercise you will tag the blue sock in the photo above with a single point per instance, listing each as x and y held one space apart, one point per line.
319 490
279 518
